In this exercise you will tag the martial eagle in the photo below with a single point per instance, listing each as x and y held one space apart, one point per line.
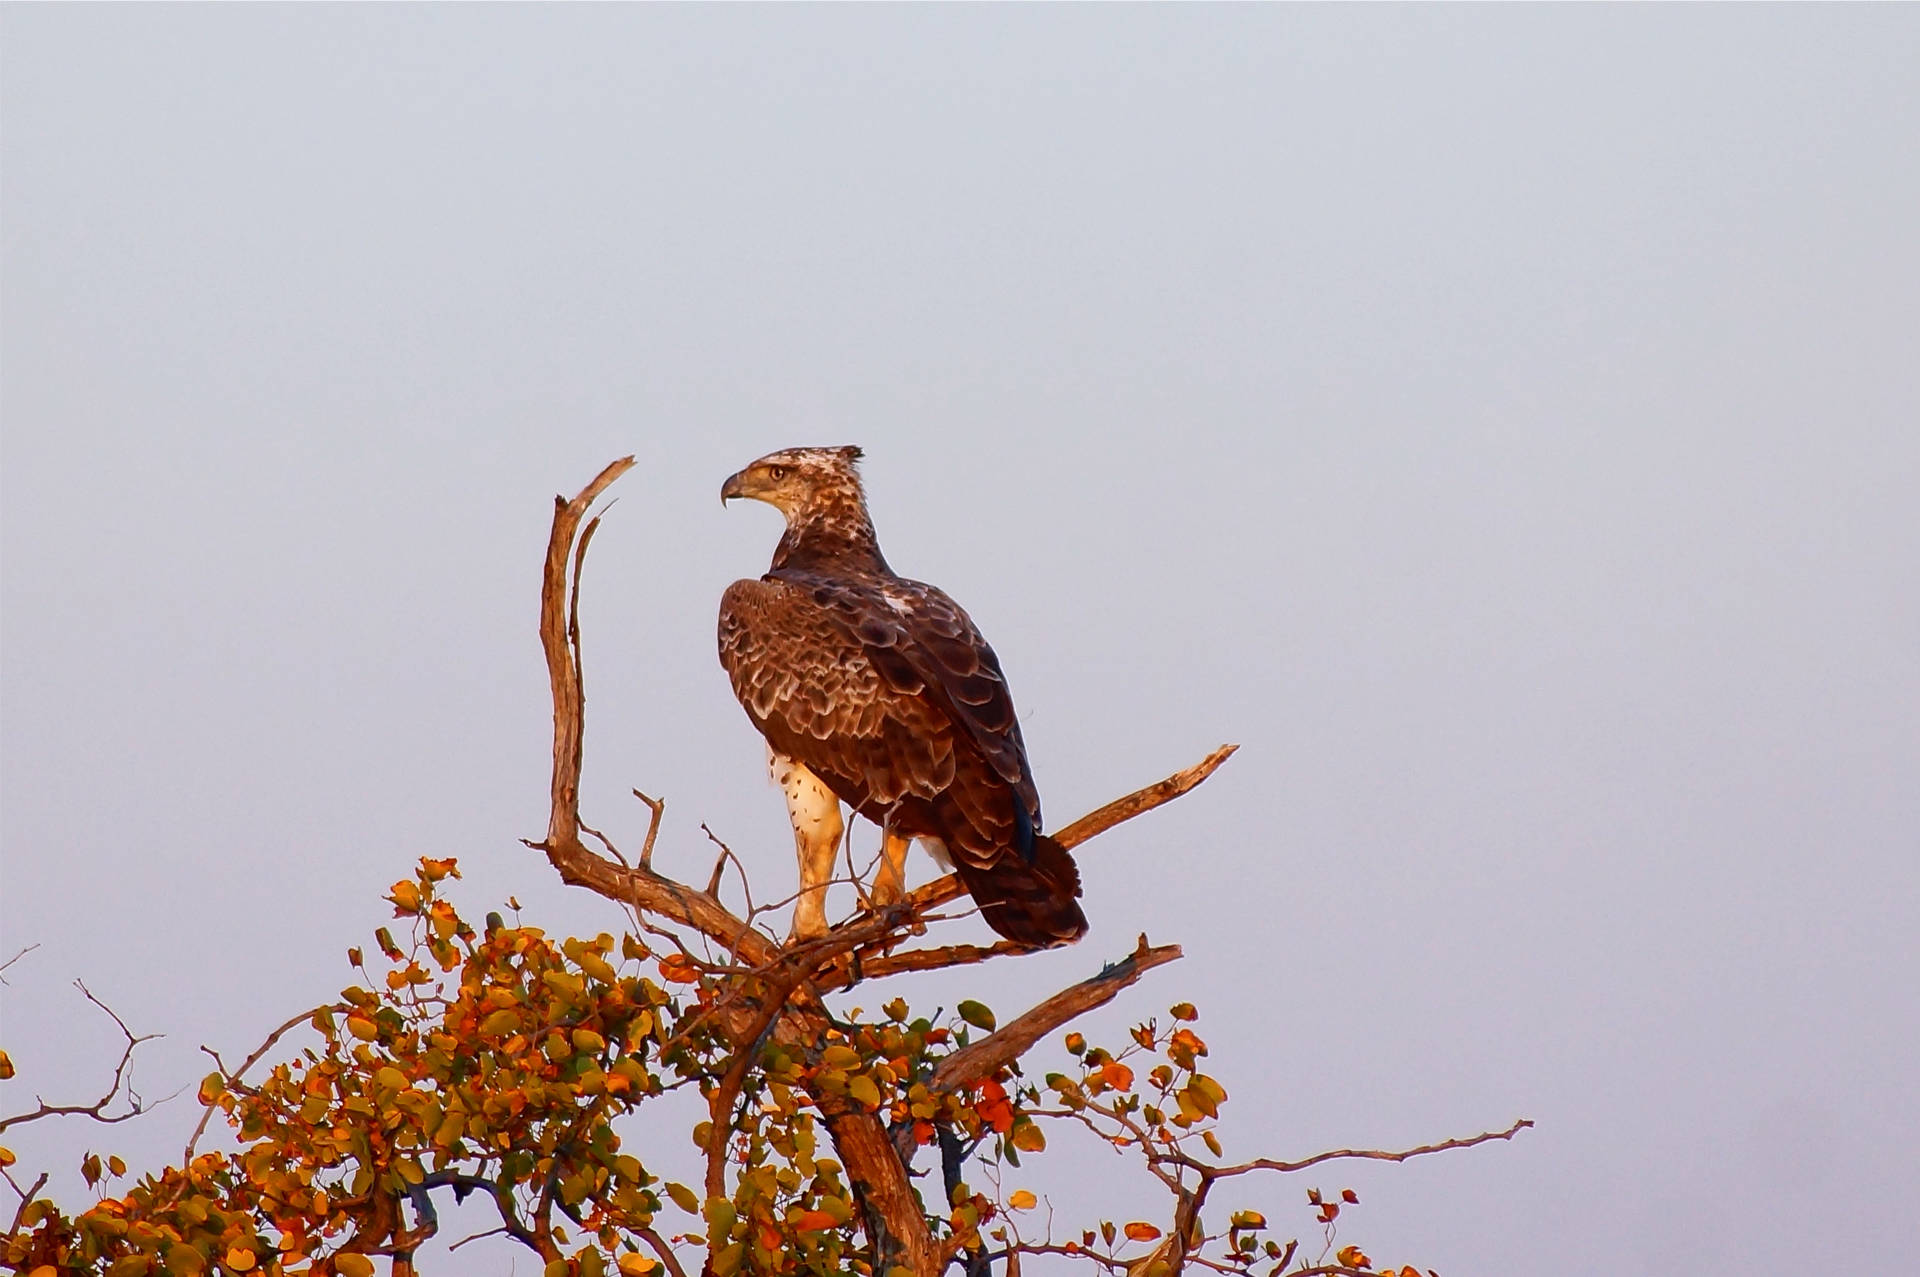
878 691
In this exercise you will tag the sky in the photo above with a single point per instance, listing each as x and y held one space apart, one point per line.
1502 422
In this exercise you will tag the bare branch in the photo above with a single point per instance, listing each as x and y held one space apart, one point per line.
98 1109
1371 1154
981 1059
658 808
1094 823
952 955
563 670
27 1197
15 958
1141 801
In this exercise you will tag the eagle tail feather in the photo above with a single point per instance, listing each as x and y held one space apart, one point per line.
1031 902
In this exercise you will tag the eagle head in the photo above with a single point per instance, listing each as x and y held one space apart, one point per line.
799 481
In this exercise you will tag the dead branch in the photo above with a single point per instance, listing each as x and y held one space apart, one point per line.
1094 823
15 958
563 670
98 1109
1141 801
1370 1154
28 1196
980 1060
656 808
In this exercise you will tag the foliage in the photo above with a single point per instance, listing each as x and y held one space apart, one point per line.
500 1062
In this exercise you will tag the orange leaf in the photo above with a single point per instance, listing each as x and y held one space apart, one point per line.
1117 1075
813 1221
1141 1232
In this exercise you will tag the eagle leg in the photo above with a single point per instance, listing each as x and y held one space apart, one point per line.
817 826
890 879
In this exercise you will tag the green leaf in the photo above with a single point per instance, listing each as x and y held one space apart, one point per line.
719 1214
977 1014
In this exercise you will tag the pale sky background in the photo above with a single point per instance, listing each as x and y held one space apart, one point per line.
1503 422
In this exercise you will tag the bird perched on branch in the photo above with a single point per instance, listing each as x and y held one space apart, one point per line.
878 691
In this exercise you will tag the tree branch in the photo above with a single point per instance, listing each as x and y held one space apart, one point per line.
1094 823
982 1059
1371 1154
98 1109
232 1078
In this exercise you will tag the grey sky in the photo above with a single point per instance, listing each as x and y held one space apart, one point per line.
1504 422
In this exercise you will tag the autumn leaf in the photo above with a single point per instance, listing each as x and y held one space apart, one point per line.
1140 1231
676 969
1352 1257
1022 1200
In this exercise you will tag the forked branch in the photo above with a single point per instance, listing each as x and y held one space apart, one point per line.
97 1110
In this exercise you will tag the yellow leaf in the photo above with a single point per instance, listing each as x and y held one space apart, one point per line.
863 1089
1023 1200
637 1265
1028 1138
240 1259
1352 1257
351 1264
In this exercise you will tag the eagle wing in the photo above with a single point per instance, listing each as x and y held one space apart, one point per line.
887 692
808 684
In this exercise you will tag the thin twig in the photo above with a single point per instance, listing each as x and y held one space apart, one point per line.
1371 1154
233 1077
15 958
98 1109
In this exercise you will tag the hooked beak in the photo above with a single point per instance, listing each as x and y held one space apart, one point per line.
735 486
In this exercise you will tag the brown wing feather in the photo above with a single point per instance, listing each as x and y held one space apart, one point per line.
887 692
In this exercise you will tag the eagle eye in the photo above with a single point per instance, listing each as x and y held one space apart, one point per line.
776 473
